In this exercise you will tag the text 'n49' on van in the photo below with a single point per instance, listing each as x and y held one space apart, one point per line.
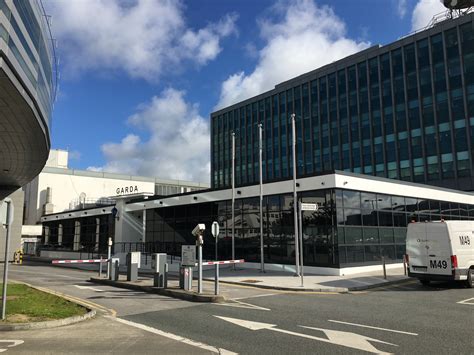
441 251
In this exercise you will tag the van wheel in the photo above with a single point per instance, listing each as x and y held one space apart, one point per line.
470 278
425 282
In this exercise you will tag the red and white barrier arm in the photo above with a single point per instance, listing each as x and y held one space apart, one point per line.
79 261
224 262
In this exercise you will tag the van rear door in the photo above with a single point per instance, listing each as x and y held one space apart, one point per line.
416 248
438 249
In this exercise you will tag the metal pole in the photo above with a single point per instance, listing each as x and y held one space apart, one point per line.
216 245
384 269
301 245
5 265
200 268
100 267
109 256
233 198
260 134
216 281
295 196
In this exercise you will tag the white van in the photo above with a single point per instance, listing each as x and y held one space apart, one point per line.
441 251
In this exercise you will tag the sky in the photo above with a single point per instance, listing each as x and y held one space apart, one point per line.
140 78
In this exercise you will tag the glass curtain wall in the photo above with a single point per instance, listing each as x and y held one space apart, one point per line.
384 116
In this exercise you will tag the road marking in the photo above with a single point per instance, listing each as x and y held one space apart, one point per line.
469 301
255 296
371 327
174 337
240 304
15 343
89 288
349 340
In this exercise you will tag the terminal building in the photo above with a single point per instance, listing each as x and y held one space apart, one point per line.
384 138
27 91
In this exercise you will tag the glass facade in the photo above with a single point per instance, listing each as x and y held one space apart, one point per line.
28 40
349 228
403 111
87 234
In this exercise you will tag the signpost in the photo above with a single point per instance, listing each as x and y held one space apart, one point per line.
6 219
215 234
304 207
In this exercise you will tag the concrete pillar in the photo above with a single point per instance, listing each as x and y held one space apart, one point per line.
77 235
97 234
60 234
46 235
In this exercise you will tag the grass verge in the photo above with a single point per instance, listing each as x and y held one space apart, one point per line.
26 304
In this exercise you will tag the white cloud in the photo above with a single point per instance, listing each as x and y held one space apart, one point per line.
303 38
144 38
401 8
424 12
178 143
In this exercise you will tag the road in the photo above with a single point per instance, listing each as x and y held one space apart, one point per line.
407 318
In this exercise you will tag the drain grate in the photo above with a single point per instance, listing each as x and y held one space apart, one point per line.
251 281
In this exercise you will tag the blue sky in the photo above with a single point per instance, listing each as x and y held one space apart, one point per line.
139 78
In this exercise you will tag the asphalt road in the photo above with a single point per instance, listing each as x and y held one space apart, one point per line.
407 318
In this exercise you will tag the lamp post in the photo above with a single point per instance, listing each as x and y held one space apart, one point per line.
260 146
295 196
233 197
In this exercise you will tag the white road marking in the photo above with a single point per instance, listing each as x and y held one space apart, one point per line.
349 340
371 327
174 337
15 343
469 301
256 296
240 304
89 288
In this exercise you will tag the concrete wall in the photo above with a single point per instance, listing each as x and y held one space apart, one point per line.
15 236
66 188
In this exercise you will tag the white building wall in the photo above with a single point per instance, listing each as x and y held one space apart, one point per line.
66 188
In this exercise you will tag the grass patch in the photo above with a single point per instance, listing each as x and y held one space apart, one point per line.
26 304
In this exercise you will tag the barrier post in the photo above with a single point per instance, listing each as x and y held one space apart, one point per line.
109 256
100 267
384 269
404 265
216 281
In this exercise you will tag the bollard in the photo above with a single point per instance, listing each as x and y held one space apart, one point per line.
100 268
384 269
404 265
216 280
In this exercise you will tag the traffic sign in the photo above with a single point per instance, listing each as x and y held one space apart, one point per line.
215 229
309 206
6 212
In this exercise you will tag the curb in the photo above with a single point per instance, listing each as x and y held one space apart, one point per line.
175 293
47 324
50 323
326 289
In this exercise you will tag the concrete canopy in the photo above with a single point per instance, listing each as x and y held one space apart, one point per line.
24 136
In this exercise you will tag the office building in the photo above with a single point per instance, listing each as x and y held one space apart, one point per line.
403 111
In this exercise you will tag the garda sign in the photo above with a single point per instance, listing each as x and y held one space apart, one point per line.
309 206
125 190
